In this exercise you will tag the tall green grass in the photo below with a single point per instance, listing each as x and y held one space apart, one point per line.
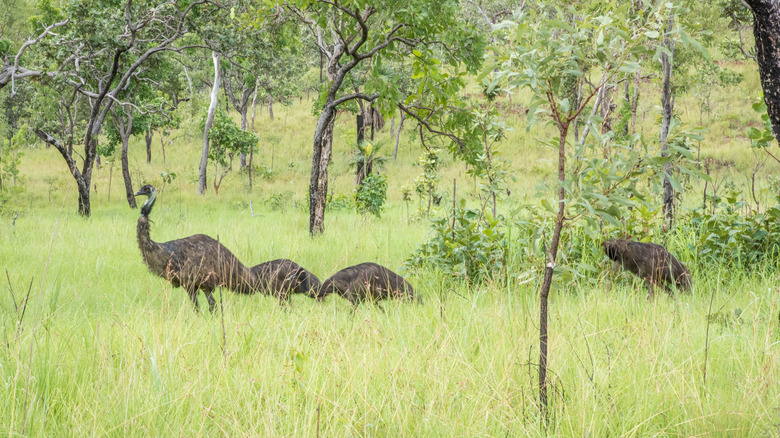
106 348
118 351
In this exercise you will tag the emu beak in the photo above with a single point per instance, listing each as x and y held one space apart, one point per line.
141 193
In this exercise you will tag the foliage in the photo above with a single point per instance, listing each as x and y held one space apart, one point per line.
761 139
10 156
426 185
471 247
227 139
371 196
340 202
487 164
733 235
366 159
279 201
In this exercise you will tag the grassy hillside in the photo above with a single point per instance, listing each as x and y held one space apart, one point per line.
106 348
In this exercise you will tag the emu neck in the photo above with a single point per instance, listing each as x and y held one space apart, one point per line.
145 242
146 209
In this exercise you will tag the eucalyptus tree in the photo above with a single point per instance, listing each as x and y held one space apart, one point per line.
355 33
143 109
766 29
102 46
552 57
254 55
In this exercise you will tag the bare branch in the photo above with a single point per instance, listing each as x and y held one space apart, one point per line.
8 74
455 139
353 96
74 170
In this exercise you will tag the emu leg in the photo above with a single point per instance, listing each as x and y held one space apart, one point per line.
649 284
211 300
193 294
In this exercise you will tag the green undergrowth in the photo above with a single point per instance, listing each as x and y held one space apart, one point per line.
117 351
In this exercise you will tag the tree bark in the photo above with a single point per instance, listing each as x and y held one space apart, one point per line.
398 135
552 253
125 130
766 29
361 138
204 158
148 137
667 108
244 111
318 184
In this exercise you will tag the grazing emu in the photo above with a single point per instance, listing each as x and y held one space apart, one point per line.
280 277
366 281
651 262
195 263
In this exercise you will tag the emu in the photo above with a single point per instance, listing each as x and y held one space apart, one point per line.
281 277
650 262
195 263
366 282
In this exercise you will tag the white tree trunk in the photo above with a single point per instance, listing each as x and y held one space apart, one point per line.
209 121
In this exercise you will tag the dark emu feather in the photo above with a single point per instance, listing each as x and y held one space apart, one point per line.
283 277
366 282
650 262
195 263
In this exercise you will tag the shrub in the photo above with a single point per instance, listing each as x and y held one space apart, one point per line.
371 197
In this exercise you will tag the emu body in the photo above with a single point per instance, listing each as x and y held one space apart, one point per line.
281 277
650 262
366 282
195 263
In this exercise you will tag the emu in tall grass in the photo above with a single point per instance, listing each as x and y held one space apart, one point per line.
281 277
650 262
366 282
195 263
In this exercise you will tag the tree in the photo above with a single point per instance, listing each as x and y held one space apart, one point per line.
142 108
227 140
766 30
101 48
359 33
204 157
554 57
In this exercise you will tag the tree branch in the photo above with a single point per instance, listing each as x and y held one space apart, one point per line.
455 139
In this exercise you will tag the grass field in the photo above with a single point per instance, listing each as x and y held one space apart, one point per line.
106 348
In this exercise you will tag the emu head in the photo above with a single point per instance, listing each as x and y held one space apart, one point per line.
325 290
148 191
611 249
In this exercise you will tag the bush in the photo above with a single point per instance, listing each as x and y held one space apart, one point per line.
372 195
473 246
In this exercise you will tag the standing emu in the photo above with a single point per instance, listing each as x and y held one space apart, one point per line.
366 281
195 263
281 277
650 261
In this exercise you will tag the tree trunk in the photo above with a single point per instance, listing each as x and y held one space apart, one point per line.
667 107
254 101
318 184
124 133
359 170
148 137
209 121
635 103
242 157
398 136
548 272
270 107
766 29
162 147
81 183
126 174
